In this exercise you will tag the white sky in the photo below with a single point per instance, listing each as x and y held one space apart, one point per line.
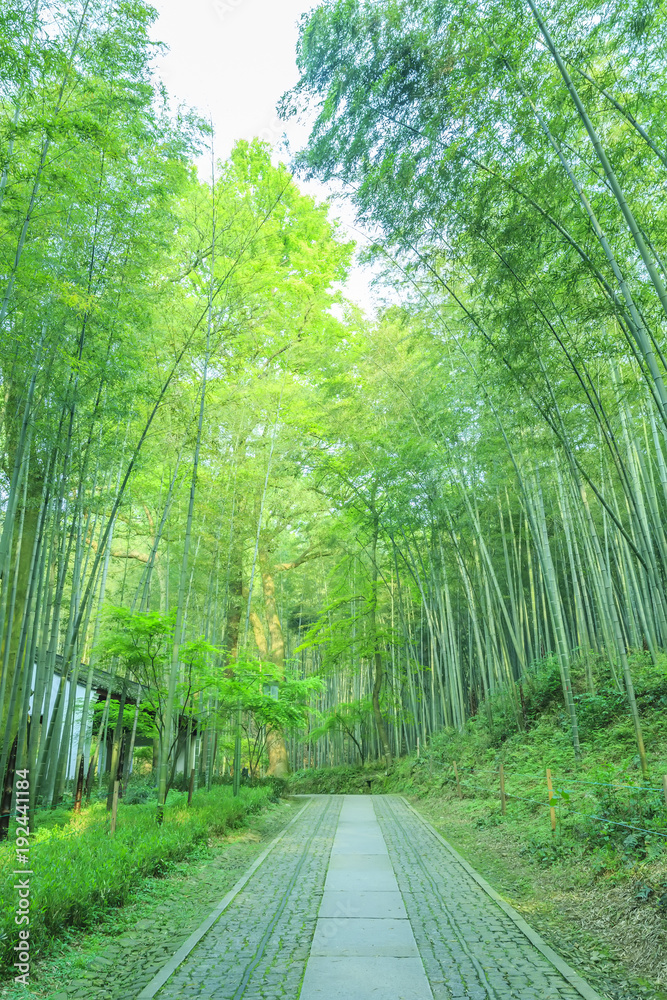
233 60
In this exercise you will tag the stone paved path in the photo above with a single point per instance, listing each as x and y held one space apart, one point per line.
361 901
258 948
364 945
470 948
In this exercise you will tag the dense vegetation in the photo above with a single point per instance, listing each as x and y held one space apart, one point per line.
253 527
103 871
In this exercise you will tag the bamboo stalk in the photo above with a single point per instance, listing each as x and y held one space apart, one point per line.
114 808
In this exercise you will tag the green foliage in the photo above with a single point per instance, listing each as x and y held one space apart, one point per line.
139 791
651 683
79 870
510 204
271 697
597 711
345 718
542 689
380 479
346 780
145 721
624 822
546 851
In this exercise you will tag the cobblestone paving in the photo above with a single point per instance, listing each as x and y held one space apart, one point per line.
259 947
470 948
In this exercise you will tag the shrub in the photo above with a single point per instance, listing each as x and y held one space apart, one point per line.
545 852
650 683
139 791
640 810
142 764
543 689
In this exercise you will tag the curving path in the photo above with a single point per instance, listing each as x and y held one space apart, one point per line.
360 899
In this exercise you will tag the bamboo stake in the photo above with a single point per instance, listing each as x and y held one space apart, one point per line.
503 801
552 811
458 782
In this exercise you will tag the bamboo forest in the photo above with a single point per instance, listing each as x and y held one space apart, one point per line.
276 557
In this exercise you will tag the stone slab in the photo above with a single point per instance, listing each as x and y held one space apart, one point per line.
347 903
364 936
351 823
360 863
330 978
361 881
361 843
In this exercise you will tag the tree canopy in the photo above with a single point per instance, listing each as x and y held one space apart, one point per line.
234 504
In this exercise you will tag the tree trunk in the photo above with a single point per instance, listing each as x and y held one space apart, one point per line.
115 750
7 791
383 736
275 741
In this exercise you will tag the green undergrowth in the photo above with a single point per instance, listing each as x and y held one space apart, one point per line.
604 808
345 780
597 885
79 870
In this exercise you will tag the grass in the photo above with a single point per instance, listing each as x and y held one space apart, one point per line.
605 810
79 871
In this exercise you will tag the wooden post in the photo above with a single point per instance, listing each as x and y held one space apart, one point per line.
552 811
236 774
114 807
458 783
192 786
664 786
116 745
503 803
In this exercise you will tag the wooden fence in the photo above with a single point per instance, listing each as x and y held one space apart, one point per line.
552 792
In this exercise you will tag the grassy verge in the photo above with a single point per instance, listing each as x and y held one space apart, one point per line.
127 945
604 923
79 871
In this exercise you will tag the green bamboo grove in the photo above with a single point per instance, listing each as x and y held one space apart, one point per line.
245 524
